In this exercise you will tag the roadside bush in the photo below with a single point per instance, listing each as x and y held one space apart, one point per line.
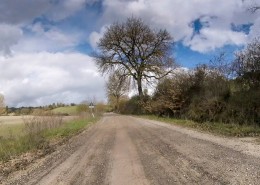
171 96
37 124
82 108
223 92
135 105
100 108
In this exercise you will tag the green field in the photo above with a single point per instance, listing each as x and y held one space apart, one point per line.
71 110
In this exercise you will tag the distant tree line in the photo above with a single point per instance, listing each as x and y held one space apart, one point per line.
27 110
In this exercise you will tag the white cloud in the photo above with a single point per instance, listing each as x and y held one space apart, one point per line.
177 17
22 11
174 15
52 39
210 39
9 36
42 78
95 36
255 29
65 8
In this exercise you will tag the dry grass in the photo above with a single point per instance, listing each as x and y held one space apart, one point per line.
13 120
30 135
36 133
37 124
216 128
12 130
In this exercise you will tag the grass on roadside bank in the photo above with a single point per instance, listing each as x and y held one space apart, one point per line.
38 133
10 130
69 129
216 128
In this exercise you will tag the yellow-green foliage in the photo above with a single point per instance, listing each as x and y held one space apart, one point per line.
82 108
71 110
70 128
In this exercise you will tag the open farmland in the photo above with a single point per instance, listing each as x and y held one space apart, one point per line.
13 120
71 110
12 125
11 130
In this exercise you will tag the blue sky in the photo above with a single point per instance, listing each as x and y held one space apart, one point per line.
46 45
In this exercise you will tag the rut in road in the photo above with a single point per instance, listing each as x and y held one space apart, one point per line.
122 150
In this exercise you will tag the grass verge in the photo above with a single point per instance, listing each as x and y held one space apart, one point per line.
216 128
69 129
38 137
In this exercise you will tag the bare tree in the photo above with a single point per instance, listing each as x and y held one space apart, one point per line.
254 6
247 64
135 50
117 86
221 65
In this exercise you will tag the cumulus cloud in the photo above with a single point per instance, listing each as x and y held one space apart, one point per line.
95 36
42 78
210 39
65 8
22 11
9 36
177 17
52 39
254 30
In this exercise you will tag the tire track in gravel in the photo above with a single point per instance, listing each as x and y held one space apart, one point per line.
126 167
88 165
187 160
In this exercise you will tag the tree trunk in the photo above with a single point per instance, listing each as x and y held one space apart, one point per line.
117 104
139 86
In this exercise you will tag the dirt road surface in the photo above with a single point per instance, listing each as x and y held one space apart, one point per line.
123 150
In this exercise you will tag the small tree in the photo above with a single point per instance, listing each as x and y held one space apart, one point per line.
135 50
117 86
2 104
221 65
247 64
82 108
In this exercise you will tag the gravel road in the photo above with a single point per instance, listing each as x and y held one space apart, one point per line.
123 150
